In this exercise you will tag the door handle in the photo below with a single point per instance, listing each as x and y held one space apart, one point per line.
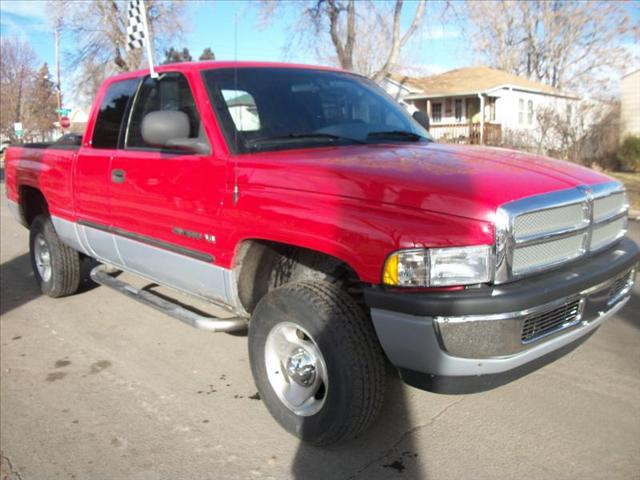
117 176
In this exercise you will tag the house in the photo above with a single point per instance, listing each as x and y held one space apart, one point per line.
78 118
630 104
243 110
480 104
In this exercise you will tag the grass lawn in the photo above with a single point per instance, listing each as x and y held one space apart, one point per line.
632 183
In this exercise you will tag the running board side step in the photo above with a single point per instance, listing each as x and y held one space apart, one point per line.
102 274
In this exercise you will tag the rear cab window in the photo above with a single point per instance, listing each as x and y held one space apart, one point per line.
108 126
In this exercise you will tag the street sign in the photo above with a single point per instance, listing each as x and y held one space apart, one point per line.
65 122
63 111
17 127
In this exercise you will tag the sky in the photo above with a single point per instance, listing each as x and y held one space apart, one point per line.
212 24
437 47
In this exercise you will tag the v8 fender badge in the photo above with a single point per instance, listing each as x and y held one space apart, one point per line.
194 235
187 233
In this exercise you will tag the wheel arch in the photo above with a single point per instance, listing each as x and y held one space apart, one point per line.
32 203
259 263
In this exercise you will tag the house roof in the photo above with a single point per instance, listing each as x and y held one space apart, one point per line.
632 72
404 81
245 99
472 80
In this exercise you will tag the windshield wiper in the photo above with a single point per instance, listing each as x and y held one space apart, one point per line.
296 137
397 135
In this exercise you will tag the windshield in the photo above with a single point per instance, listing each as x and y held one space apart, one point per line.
261 109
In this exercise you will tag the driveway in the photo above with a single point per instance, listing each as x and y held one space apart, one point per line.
96 386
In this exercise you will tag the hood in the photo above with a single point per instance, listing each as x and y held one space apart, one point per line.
466 181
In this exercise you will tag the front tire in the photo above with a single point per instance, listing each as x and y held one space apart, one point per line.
316 362
55 266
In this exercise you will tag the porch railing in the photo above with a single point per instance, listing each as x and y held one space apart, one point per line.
466 133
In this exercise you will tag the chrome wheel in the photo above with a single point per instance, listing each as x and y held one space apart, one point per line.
42 256
296 369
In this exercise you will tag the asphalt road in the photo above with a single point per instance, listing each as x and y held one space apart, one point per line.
96 386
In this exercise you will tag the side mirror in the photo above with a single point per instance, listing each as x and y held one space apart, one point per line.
170 129
422 118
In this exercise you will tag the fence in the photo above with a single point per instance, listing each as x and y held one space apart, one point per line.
466 133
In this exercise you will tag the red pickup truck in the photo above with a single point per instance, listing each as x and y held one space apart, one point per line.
326 221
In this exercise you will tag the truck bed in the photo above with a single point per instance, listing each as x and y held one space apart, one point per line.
46 167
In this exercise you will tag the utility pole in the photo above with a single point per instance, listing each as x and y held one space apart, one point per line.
58 84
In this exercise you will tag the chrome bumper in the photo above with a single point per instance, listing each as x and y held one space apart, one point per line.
485 345
487 336
432 360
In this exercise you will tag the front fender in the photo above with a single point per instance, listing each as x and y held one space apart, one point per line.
362 234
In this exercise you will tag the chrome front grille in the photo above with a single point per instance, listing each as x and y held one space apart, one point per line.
543 222
544 323
553 252
606 207
608 232
544 231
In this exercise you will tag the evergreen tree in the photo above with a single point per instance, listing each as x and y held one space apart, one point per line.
175 56
42 103
207 54
186 56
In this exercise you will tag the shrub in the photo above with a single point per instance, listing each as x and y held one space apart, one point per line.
629 154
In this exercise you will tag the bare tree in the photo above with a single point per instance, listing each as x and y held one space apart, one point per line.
99 30
587 133
17 60
365 36
87 79
27 96
569 44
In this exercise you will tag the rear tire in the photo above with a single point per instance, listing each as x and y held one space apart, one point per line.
55 266
316 362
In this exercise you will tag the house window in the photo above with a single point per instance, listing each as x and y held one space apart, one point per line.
458 109
530 112
448 108
492 109
521 111
436 112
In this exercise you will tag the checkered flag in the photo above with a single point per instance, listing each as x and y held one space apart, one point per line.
136 31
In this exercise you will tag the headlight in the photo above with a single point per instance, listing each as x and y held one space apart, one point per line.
439 267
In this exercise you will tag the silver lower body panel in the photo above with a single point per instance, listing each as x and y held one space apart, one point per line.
194 277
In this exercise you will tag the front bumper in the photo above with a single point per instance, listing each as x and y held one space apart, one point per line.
477 339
